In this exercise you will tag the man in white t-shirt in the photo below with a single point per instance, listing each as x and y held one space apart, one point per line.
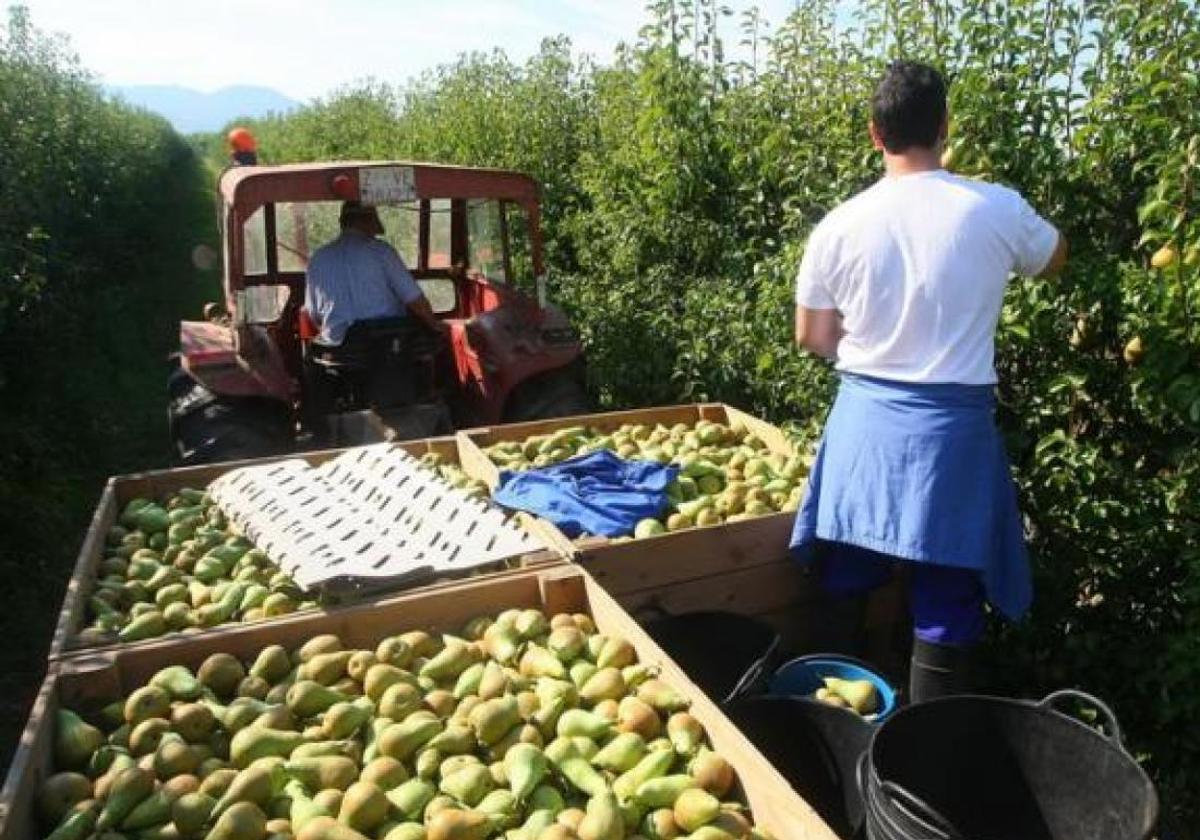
902 287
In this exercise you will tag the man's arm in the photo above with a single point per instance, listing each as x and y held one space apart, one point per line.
819 330
421 308
1057 260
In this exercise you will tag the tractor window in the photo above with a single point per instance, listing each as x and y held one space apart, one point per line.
302 228
254 243
485 239
439 233
520 250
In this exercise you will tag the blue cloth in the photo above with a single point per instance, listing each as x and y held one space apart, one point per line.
597 493
946 603
918 472
356 278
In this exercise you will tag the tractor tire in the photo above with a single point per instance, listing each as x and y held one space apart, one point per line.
207 428
557 393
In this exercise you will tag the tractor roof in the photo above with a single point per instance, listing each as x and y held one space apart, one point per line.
249 187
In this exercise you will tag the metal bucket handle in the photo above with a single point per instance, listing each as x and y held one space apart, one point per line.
1110 723
915 808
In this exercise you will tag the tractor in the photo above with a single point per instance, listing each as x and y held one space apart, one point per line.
245 380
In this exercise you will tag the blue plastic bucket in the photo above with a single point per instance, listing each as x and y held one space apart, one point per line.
801 677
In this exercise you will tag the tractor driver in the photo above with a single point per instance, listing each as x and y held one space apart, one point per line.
358 277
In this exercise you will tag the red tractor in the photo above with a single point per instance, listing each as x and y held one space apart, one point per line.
244 384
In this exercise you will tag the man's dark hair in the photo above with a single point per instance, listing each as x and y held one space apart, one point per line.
908 106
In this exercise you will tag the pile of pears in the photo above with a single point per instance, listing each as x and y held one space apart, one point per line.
175 565
521 728
455 476
859 696
727 473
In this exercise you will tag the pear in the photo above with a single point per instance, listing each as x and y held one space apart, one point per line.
325 668
602 819
252 686
579 722
686 733
147 735
656 763
145 703
441 702
330 799
525 767
243 821
861 695
582 776
660 696
406 831
191 812
344 719
324 643
364 807
75 740
348 747
327 771
381 676
302 807
359 663
259 742
607 683
76 825
59 793
659 825
221 673
571 818
455 739
154 810
622 753
399 700
635 715
468 681
193 721
258 783
468 785
402 740
307 698
175 757
493 682
712 773
455 824
394 651
217 782
128 789
411 797
272 664
581 671
695 807
178 682
567 642
384 771
539 662
661 792
450 662
616 653
492 719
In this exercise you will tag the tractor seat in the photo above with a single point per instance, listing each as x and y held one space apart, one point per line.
368 344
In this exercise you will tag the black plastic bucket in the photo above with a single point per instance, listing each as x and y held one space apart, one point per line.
724 653
816 747
991 768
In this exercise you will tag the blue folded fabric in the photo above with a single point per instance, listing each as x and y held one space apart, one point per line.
597 493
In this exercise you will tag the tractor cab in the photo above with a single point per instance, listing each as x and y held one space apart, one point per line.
248 375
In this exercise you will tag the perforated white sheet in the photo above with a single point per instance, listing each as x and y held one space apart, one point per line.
371 517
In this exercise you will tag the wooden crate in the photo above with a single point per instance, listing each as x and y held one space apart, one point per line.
120 489
736 542
88 680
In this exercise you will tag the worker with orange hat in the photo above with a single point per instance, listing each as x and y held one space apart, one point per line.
243 148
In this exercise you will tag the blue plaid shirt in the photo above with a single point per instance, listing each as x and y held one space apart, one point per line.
356 278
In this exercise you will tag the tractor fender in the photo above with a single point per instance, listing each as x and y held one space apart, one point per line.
210 355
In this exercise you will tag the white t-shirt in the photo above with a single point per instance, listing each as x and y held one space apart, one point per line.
917 265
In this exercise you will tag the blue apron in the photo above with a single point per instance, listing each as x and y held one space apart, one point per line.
918 472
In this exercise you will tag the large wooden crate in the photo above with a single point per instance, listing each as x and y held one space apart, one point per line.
99 677
741 567
120 489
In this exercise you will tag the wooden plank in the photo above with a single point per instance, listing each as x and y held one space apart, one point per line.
623 567
100 677
157 483
754 591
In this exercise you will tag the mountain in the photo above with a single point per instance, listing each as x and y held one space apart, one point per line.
192 110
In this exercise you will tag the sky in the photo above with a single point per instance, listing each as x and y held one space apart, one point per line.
306 48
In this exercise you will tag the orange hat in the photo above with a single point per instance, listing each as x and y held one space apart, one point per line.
241 140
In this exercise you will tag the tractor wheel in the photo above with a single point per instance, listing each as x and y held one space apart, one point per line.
207 428
558 393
